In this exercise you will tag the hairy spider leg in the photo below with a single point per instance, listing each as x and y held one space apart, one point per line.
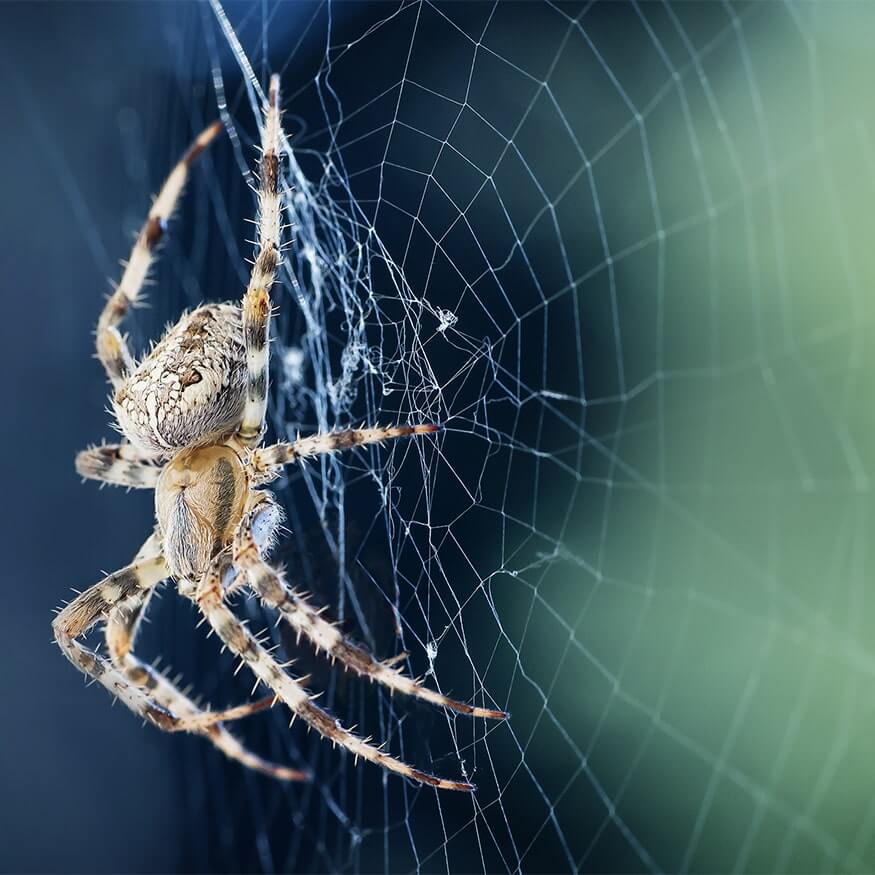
240 641
323 635
265 462
256 301
187 716
112 349
120 599
121 587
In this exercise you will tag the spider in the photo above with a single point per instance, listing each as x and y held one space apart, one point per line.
192 413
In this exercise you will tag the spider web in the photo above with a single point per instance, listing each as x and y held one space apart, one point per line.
619 251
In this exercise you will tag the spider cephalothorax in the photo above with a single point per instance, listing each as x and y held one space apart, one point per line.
200 498
192 414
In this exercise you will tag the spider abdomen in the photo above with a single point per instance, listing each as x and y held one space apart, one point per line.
191 388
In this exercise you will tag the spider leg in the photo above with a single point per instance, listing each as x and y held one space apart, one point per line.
256 301
120 599
119 464
124 586
323 635
184 715
112 349
265 462
240 641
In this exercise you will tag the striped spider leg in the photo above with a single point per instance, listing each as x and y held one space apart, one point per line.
120 600
256 301
112 349
118 464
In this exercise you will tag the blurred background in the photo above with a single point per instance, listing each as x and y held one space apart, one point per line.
624 252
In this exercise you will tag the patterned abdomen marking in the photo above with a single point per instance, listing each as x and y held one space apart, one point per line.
191 389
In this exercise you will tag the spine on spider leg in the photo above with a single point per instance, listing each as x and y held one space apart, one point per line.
256 303
108 464
114 592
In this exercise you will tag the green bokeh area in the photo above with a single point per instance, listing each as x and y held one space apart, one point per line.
716 681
